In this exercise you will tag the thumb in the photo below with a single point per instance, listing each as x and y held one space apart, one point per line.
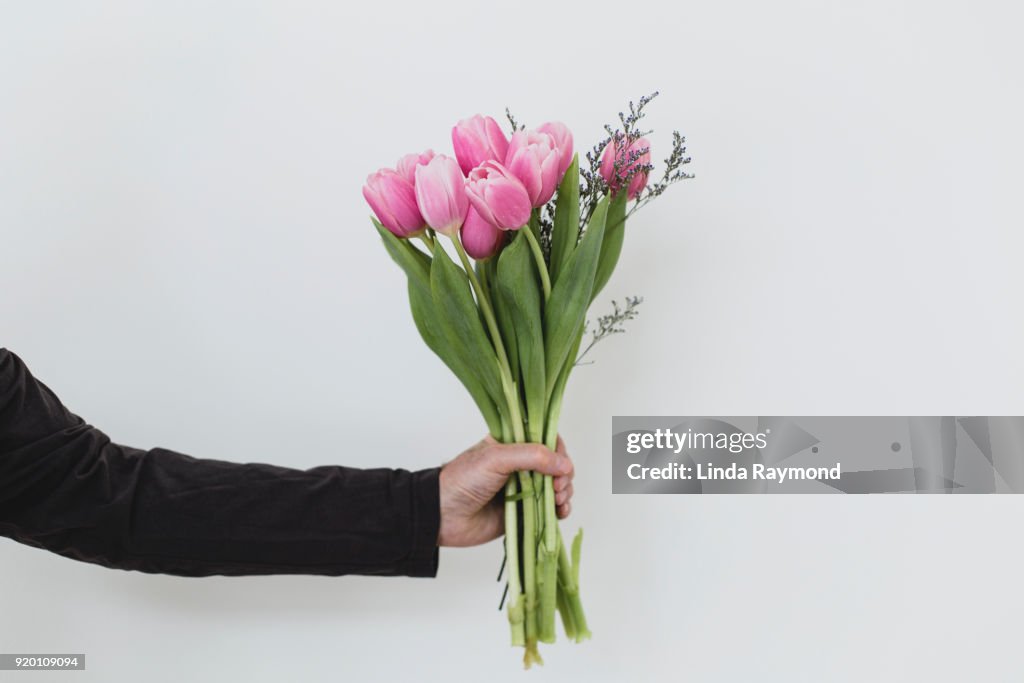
509 458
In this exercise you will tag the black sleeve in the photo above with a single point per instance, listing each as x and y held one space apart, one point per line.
66 488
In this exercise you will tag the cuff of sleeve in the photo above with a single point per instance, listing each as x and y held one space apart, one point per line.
426 509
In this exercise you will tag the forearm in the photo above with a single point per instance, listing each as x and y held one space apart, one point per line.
65 487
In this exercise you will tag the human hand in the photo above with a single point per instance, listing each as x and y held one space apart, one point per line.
472 510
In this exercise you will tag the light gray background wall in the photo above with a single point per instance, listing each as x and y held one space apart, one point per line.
187 261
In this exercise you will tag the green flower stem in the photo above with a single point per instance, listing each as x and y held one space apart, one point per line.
547 558
551 441
485 285
550 516
529 551
538 256
559 587
564 611
516 614
567 581
427 240
547 566
568 602
557 390
551 436
547 587
506 429
551 593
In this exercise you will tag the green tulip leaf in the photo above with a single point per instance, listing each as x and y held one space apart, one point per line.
566 229
611 247
416 265
425 316
414 262
459 320
571 296
519 291
502 315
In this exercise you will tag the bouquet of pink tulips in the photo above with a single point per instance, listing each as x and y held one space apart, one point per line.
536 245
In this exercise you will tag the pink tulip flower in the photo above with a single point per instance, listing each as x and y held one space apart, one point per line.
407 164
534 159
498 196
441 194
481 239
612 156
476 140
563 141
393 200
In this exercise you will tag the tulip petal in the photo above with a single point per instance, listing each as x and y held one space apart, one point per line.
441 194
550 177
476 140
380 209
534 159
562 136
496 139
480 207
392 199
480 238
406 166
509 203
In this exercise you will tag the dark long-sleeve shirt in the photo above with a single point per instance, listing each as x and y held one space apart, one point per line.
67 488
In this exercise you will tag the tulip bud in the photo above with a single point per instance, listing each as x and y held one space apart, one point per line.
393 200
480 238
476 140
441 194
563 141
615 154
534 159
407 164
498 196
